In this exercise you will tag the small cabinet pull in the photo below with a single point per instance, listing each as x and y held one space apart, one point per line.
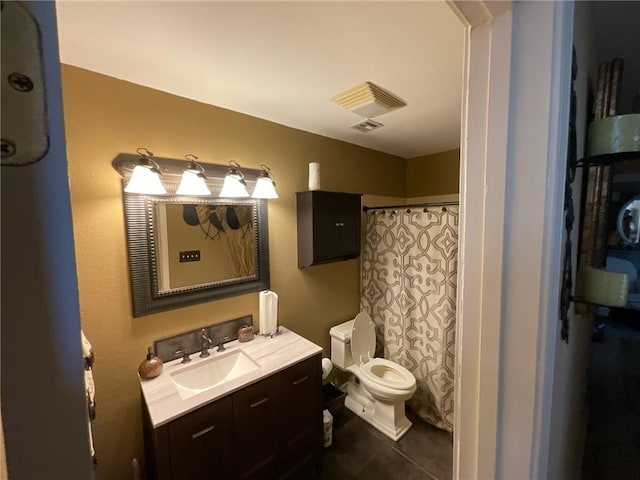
300 380
259 402
339 224
203 432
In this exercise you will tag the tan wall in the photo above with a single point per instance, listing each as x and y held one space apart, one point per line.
436 174
105 116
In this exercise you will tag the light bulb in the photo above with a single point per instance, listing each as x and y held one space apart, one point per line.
144 180
192 183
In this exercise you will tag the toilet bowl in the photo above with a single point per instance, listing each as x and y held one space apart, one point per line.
377 387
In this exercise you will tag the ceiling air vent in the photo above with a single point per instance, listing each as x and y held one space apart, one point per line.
367 126
368 100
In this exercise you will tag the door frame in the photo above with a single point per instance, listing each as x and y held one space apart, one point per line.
516 88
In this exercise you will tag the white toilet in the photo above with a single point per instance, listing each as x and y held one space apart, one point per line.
377 388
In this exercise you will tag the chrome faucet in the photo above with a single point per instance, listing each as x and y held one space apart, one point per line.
206 343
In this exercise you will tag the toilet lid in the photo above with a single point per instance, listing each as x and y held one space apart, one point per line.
363 338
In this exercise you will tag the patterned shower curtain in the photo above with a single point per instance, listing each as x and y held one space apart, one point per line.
409 269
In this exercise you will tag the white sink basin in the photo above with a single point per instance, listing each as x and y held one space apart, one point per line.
212 372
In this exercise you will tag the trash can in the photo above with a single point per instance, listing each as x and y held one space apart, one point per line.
333 400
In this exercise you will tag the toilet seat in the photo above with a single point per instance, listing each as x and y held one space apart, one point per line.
377 371
388 374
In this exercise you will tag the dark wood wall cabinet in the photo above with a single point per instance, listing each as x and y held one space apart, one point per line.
271 429
328 227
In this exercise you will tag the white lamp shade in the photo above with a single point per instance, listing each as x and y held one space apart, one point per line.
145 181
264 188
233 188
192 184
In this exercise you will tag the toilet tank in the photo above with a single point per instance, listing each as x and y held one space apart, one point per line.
341 345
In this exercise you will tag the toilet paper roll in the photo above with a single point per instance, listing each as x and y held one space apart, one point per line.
327 366
605 288
314 176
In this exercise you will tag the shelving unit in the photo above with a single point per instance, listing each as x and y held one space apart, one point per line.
609 159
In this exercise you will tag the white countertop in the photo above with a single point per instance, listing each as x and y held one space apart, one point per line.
271 354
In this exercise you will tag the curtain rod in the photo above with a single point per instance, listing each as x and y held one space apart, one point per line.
412 205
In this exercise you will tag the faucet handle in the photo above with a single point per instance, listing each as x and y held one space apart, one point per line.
185 355
221 344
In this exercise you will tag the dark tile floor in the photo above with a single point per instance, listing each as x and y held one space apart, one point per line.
613 395
359 451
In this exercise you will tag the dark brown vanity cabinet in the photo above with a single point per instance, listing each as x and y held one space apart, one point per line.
271 429
328 227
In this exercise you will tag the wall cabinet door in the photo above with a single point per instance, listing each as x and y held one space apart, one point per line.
328 227
199 446
255 427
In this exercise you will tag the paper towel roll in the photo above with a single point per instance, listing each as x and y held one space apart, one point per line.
314 176
268 311
605 288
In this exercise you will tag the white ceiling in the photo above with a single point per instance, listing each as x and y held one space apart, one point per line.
283 61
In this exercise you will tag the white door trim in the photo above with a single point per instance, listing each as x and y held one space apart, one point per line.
483 155
551 271
504 357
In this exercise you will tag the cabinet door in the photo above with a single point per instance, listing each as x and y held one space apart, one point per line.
300 401
336 225
346 221
324 225
199 443
255 427
328 227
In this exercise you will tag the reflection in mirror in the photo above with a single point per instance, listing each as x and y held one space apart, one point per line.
628 219
199 244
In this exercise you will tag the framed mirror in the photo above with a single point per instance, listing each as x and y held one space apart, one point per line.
186 250
628 221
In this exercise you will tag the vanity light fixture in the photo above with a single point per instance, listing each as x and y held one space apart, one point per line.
265 185
145 178
193 179
234 185
144 175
